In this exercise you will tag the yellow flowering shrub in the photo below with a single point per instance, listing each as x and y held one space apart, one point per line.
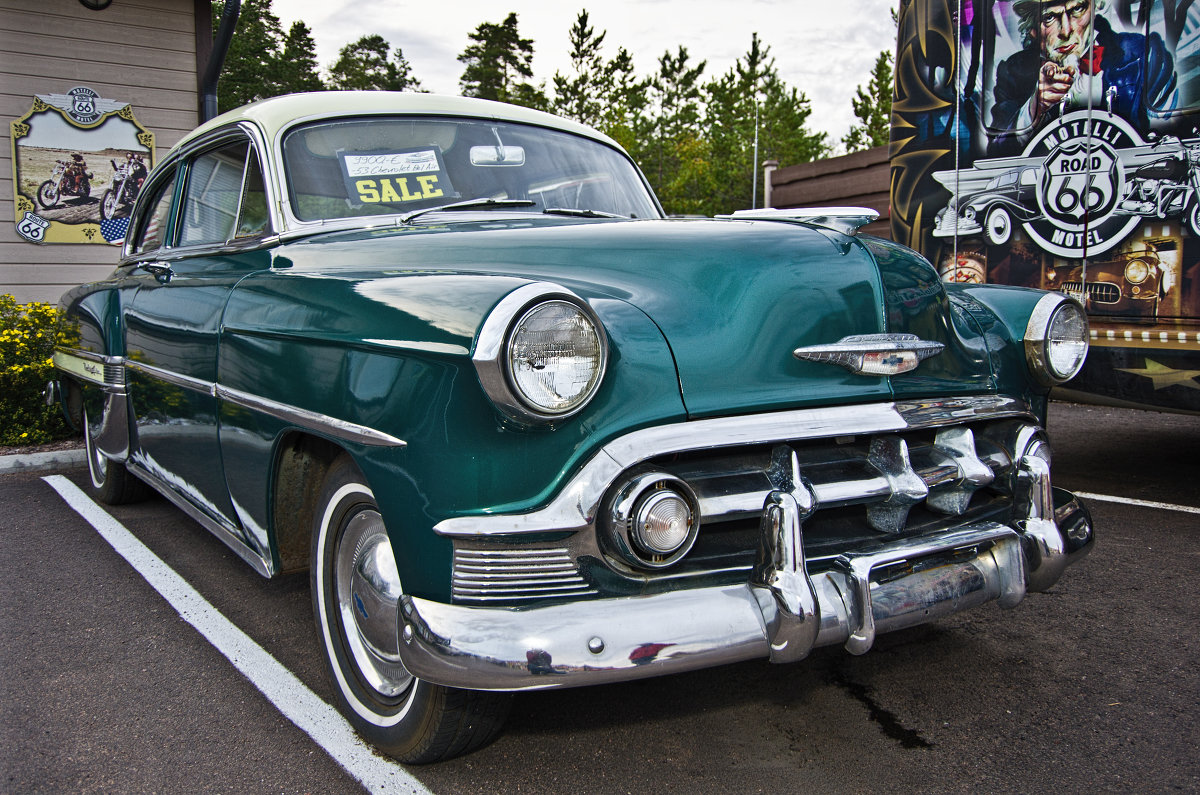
27 336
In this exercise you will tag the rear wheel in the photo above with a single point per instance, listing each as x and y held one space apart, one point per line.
997 228
356 591
111 482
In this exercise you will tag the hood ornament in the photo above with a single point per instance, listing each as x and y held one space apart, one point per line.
873 354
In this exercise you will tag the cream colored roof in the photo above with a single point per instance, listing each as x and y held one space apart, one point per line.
274 114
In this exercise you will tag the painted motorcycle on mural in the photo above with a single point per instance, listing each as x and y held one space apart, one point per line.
70 179
127 183
1169 186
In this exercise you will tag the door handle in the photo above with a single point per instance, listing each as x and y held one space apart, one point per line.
161 270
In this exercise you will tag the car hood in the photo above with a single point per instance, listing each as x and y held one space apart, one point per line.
732 298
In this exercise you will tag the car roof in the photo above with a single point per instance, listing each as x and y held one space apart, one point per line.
274 114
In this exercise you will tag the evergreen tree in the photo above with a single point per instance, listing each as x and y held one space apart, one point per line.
262 61
873 107
751 93
626 110
677 160
496 62
580 97
298 61
364 65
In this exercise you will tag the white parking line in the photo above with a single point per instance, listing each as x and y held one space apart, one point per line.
289 695
1162 506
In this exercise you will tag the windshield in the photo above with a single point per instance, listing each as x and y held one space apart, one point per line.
349 168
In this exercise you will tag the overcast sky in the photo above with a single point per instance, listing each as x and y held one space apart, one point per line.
825 48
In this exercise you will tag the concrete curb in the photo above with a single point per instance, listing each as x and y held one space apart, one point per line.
41 462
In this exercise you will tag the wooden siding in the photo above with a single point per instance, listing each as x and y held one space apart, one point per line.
140 51
856 180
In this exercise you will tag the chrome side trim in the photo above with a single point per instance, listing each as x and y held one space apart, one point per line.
576 505
171 377
339 429
93 368
227 535
323 423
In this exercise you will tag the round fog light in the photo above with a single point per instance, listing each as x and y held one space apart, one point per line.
663 523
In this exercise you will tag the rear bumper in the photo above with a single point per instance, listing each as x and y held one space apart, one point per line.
782 612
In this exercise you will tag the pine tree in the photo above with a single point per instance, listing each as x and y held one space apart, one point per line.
873 107
496 62
298 61
364 65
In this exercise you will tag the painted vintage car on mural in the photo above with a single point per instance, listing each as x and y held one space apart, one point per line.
1094 104
526 432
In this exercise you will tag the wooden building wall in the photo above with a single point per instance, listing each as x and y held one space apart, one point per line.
141 51
857 180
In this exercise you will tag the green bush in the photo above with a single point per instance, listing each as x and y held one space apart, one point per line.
27 336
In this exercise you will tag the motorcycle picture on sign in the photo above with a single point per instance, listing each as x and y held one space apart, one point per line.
79 160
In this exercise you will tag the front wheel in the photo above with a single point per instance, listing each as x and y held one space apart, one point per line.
47 194
1193 218
356 593
108 205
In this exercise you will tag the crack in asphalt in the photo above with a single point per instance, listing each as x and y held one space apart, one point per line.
889 724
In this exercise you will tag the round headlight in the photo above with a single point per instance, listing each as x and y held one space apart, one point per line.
1137 271
1056 340
555 357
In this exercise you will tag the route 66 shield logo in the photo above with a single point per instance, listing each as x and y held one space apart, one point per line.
1079 180
32 227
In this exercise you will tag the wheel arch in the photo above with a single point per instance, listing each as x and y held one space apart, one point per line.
302 461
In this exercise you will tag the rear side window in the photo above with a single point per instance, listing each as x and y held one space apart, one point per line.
212 196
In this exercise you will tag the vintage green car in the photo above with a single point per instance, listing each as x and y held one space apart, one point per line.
527 432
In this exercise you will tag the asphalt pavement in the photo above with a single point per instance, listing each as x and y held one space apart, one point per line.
1092 686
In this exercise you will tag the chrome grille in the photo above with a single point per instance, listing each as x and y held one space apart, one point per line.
484 575
1099 292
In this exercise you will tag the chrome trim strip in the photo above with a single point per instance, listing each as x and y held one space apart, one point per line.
575 506
851 352
339 429
227 535
847 220
323 423
94 368
171 377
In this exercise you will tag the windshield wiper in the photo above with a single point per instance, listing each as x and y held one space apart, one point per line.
469 204
578 213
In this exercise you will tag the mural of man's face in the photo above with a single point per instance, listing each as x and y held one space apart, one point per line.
1066 30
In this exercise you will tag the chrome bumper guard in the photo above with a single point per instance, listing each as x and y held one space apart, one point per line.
782 612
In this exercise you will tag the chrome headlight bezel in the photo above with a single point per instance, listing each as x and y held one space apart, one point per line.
492 357
1049 326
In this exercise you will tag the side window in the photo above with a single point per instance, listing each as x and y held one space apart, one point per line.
210 201
253 219
154 229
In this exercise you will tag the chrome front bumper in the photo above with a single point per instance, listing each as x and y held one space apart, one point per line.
781 613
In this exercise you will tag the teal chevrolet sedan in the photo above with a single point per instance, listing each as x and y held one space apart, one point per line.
524 431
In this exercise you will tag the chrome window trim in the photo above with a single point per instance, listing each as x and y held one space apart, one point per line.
575 506
323 423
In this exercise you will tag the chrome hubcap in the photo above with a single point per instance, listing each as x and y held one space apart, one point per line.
367 588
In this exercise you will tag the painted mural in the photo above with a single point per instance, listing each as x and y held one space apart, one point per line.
1055 144
79 161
